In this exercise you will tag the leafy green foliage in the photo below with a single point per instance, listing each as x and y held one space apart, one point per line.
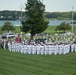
60 15
7 26
63 26
34 22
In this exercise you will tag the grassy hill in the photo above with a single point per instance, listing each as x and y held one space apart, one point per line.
23 64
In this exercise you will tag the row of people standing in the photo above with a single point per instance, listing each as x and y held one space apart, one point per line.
42 49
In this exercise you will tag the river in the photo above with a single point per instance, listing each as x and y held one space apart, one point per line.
51 22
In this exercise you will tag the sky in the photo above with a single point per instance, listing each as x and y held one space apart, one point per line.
50 5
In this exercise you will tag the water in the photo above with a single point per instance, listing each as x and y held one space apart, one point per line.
13 22
51 22
58 22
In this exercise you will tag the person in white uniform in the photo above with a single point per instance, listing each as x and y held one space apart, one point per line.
46 49
38 49
75 47
42 49
50 49
72 47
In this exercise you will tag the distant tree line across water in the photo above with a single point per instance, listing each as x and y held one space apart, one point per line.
14 15
60 15
10 15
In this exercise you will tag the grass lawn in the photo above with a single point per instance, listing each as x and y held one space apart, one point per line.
23 64
17 30
50 29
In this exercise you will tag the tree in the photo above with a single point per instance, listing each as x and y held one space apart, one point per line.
63 26
7 26
34 21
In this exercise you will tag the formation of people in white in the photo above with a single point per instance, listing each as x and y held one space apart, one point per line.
42 49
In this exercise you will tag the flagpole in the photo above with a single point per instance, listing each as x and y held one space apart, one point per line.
21 7
72 19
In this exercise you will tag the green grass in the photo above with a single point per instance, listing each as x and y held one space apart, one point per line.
50 29
17 30
23 64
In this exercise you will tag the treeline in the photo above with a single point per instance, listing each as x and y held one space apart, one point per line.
14 15
60 15
10 15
